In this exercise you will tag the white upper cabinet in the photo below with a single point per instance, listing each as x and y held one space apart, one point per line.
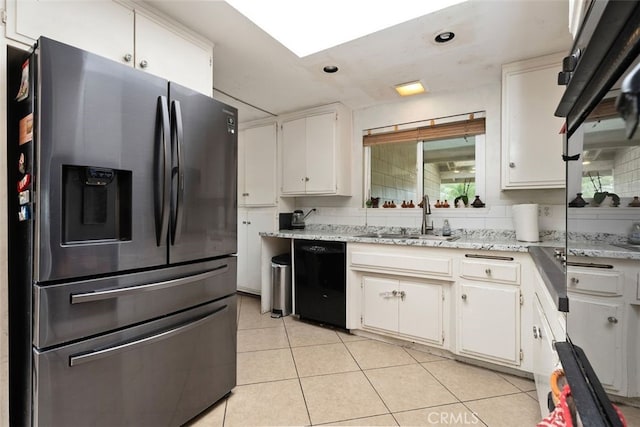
316 152
257 166
130 35
102 27
162 51
531 139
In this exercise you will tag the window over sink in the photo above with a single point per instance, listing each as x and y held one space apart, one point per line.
436 157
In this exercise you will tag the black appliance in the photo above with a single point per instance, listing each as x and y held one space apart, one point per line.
320 281
284 220
602 86
122 231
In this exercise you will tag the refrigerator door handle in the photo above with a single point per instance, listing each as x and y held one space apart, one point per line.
177 139
163 139
132 290
111 351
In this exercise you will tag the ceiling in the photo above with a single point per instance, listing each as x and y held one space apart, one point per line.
255 73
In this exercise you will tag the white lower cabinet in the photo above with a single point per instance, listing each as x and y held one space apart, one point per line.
250 223
545 357
489 322
597 327
409 308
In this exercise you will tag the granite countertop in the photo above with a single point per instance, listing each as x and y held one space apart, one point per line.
493 240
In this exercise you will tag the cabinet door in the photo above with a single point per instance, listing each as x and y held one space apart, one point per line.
259 165
545 358
321 156
380 306
420 311
101 27
241 169
294 169
596 327
255 223
531 140
490 322
168 54
243 247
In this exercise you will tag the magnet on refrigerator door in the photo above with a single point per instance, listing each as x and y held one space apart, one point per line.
25 213
22 163
24 197
23 184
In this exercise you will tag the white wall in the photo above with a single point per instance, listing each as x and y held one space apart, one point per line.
4 281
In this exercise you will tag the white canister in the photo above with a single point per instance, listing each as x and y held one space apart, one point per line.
525 220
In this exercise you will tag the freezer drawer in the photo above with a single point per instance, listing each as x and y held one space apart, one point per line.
161 373
72 311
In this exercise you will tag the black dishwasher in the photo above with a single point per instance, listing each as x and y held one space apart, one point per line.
320 281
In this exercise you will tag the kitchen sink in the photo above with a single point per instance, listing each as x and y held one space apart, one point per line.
408 236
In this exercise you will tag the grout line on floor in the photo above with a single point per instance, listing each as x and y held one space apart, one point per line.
295 366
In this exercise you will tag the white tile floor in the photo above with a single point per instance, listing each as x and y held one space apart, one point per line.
292 373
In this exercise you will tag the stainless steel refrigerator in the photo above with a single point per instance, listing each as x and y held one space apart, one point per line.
122 234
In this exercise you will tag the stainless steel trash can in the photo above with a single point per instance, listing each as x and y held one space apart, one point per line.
281 285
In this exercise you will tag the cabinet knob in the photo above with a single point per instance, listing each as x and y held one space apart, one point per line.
574 281
488 272
402 295
144 63
248 222
394 293
128 57
306 178
612 319
512 165
245 194
244 222
464 297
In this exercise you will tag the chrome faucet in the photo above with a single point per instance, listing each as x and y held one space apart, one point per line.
426 211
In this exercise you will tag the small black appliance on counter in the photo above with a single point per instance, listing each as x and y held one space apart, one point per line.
284 220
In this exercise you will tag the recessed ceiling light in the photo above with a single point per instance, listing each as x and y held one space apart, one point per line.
411 88
321 24
330 69
445 36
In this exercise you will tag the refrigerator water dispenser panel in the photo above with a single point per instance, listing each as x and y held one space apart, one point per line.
96 204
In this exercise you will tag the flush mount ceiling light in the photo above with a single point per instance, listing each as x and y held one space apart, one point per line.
307 27
330 69
444 37
411 88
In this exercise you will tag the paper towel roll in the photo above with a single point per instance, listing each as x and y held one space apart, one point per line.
525 220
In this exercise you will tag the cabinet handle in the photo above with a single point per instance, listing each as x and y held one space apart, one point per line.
144 63
464 297
402 295
536 332
574 281
512 165
488 272
128 57
612 319
244 222
245 194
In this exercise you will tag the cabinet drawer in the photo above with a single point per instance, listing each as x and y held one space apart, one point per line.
595 281
439 266
491 271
